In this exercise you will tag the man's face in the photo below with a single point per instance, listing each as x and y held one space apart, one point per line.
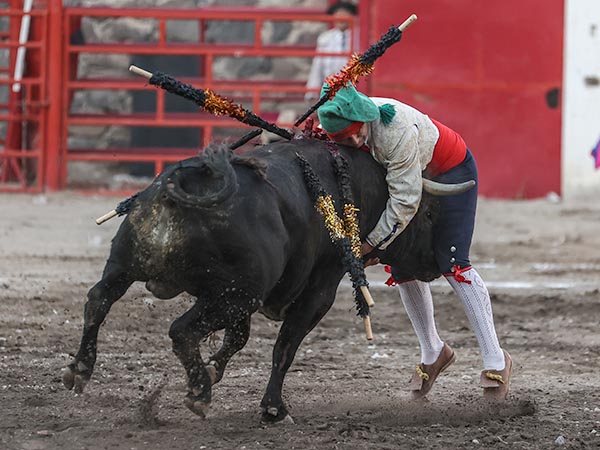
341 25
357 139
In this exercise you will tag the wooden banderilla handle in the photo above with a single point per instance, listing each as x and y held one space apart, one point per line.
368 331
139 71
109 215
408 22
367 319
367 295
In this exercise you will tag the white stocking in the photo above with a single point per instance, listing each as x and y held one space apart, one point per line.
476 301
416 297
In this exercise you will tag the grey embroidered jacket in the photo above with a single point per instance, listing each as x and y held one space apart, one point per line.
404 147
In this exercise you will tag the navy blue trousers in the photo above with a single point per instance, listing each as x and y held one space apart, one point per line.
454 231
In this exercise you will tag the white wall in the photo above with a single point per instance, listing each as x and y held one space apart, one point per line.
581 102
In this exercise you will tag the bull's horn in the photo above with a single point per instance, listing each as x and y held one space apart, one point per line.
435 188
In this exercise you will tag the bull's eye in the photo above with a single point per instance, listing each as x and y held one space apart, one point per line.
428 214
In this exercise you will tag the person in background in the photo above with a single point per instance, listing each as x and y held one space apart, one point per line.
334 40
409 144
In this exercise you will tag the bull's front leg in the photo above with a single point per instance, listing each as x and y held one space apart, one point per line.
101 297
304 314
186 333
234 340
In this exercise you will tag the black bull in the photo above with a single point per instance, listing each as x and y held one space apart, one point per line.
242 235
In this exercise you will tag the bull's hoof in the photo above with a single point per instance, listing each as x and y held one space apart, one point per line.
215 371
212 373
196 406
75 380
272 415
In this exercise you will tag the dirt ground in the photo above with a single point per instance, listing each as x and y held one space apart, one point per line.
540 258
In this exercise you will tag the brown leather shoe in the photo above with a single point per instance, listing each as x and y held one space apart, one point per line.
426 374
496 383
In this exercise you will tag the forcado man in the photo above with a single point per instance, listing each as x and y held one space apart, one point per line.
409 144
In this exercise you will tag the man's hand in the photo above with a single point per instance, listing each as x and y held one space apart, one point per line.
365 249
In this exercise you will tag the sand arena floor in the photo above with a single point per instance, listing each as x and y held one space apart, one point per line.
541 260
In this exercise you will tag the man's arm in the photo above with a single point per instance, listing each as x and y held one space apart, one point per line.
405 185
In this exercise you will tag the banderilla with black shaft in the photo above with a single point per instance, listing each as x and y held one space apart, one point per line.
358 65
210 101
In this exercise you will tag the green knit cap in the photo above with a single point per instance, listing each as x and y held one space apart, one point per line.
346 107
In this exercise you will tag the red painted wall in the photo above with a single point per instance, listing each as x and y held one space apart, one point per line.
484 69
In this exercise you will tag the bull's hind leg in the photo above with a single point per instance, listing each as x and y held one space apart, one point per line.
108 290
186 333
234 340
304 314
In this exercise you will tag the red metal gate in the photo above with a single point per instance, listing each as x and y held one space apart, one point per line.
252 93
57 61
23 110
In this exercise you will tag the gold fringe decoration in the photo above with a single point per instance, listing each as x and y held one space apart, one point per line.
220 106
351 72
352 229
333 222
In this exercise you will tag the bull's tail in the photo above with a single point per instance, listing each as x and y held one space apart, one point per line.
206 182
